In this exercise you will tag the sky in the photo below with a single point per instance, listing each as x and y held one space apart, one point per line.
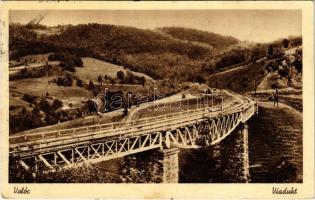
250 25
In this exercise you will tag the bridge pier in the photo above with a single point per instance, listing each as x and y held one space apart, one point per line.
155 166
244 131
231 157
170 165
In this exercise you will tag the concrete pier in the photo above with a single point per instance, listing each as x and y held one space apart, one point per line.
170 165
244 132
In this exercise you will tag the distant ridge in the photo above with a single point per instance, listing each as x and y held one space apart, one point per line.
215 40
148 51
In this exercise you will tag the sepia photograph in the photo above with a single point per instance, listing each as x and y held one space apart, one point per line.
155 96
145 96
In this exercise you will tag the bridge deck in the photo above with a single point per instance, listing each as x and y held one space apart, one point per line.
37 143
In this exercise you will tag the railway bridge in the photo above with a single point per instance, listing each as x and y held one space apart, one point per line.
166 134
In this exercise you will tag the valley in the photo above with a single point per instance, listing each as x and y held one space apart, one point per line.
95 75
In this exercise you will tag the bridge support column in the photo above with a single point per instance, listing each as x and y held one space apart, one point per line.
244 132
170 165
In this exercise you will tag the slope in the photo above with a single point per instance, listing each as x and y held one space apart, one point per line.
151 52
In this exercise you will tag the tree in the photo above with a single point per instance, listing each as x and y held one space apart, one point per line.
68 80
112 81
91 106
23 111
59 81
125 111
298 64
270 51
78 61
244 83
100 79
44 105
68 65
200 79
120 75
285 43
283 72
91 85
56 104
36 112
142 81
51 119
29 98
79 83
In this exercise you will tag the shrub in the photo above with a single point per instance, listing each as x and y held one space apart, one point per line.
91 85
200 79
100 79
78 62
65 81
79 83
120 75
44 105
29 98
56 104
68 65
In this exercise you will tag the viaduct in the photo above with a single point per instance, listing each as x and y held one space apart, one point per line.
166 134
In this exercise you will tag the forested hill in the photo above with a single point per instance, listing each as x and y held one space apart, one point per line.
148 51
217 41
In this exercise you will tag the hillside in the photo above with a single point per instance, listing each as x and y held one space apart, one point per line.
92 68
278 133
151 52
216 41
240 79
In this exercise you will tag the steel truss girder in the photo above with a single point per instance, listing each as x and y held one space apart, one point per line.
211 130
95 152
216 130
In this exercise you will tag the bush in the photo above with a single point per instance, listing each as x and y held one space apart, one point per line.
120 75
200 79
68 61
91 106
283 72
100 79
56 104
68 65
51 119
78 62
44 105
79 83
60 81
65 81
29 98
142 80
91 85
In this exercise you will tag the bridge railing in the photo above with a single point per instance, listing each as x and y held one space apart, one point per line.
166 124
119 133
96 128
115 127
28 148
100 127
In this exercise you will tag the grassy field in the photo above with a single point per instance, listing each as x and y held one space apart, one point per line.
92 68
39 87
16 104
